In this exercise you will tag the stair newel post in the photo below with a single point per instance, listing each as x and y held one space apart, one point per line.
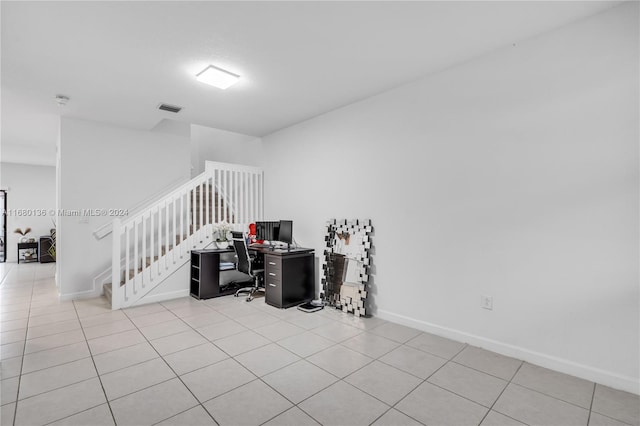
116 291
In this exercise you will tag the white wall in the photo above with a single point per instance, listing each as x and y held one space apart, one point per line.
103 166
32 188
514 175
209 144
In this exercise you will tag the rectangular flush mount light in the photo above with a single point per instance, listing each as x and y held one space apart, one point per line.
217 77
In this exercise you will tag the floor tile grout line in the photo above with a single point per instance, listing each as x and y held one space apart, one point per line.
95 367
182 412
52 313
4 277
58 388
174 372
123 368
71 415
57 365
54 347
612 418
15 409
593 395
58 308
141 389
484 372
423 381
404 371
549 396
52 334
499 395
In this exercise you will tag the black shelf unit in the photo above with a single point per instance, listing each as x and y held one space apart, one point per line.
26 247
205 277
208 281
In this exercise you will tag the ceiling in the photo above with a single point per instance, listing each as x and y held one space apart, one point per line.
118 60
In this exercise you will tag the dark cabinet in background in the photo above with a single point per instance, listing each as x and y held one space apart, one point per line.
45 250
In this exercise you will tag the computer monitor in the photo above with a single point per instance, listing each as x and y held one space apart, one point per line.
285 233
263 231
267 231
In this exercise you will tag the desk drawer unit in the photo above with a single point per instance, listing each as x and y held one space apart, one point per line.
289 280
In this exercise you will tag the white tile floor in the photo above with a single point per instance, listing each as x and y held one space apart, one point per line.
225 361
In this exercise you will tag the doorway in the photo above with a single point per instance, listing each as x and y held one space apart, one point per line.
3 226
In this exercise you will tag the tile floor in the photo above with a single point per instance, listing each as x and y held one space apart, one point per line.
225 361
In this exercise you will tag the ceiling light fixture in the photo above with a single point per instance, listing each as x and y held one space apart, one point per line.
62 100
217 77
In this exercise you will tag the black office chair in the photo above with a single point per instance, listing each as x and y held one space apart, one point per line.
245 265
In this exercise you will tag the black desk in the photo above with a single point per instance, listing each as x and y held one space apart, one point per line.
289 276
28 246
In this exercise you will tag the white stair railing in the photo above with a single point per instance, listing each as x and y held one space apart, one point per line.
155 242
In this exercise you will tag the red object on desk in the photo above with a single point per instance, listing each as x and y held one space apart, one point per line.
252 234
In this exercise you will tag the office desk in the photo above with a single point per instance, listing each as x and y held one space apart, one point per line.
289 276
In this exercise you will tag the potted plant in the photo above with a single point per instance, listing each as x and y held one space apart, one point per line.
221 232
23 233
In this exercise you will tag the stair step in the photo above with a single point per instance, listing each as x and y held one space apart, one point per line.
107 291
148 260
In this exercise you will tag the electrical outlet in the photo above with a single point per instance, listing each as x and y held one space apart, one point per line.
486 302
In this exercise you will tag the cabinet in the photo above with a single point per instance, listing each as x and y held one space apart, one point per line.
289 278
28 248
45 246
205 277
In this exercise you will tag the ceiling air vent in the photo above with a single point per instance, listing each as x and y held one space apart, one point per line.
170 108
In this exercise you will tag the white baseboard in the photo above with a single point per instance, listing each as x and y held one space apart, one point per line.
80 295
162 297
607 378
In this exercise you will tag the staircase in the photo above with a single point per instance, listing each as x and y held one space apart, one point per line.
155 242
